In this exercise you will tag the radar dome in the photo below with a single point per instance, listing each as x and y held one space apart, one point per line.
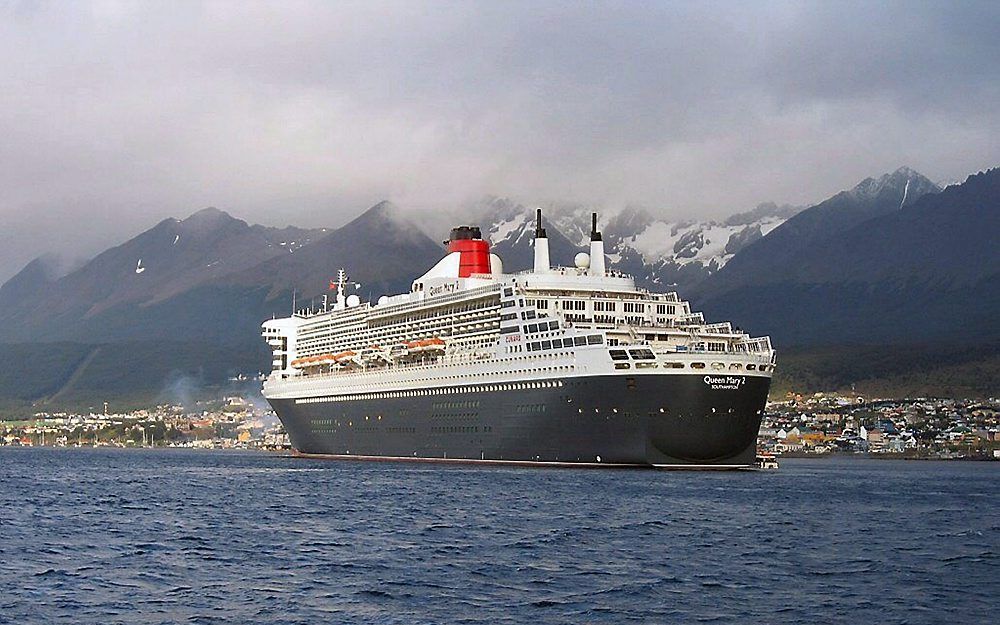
382 301
353 300
582 260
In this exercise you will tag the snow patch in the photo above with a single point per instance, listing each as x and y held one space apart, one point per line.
503 230
658 241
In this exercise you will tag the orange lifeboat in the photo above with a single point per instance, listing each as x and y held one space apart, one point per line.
325 359
426 345
344 356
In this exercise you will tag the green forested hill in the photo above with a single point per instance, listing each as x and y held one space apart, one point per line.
59 376
901 371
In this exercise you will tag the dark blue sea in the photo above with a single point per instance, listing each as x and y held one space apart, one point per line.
151 536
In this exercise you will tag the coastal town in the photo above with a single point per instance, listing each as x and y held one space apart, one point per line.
229 423
814 425
925 428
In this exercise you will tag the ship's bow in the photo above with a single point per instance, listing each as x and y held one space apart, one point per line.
711 420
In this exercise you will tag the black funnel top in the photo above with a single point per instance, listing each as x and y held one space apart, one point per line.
594 234
539 230
465 233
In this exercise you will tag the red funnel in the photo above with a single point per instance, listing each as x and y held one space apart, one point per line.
475 253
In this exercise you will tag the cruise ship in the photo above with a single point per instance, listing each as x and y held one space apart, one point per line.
564 365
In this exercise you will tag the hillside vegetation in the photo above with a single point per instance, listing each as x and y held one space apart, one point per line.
54 377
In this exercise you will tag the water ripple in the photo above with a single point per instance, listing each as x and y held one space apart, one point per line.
150 537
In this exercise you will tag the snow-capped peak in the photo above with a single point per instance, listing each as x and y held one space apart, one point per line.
905 182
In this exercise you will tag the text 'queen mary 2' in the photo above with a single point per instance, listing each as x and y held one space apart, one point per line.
566 365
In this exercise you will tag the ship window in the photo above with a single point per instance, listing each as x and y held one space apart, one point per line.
532 328
546 344
618 354
508 330
508 292
751 367
529 315
553 325
642 354
697 365
594 339
580 340
622 365
763 367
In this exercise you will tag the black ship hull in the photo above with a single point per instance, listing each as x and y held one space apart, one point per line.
645 420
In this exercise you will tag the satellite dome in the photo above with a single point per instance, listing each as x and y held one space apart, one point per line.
582 260
382 301
353 300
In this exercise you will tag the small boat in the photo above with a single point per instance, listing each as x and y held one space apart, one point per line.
766 461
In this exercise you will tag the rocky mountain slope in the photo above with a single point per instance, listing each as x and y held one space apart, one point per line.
769 258
207 277
874 266
383 249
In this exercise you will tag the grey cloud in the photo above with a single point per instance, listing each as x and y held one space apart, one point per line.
117 114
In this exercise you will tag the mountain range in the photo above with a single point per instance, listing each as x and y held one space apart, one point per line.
895 260
656 252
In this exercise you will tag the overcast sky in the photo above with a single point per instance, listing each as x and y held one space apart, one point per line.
115 115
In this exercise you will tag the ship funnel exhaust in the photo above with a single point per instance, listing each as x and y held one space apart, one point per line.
474 251
541 245
597 263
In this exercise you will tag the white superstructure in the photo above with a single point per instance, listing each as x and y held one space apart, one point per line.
466 322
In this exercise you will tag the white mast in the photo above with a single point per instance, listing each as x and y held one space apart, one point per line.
341 286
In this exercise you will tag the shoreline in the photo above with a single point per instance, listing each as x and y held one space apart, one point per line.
885 456
289 453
